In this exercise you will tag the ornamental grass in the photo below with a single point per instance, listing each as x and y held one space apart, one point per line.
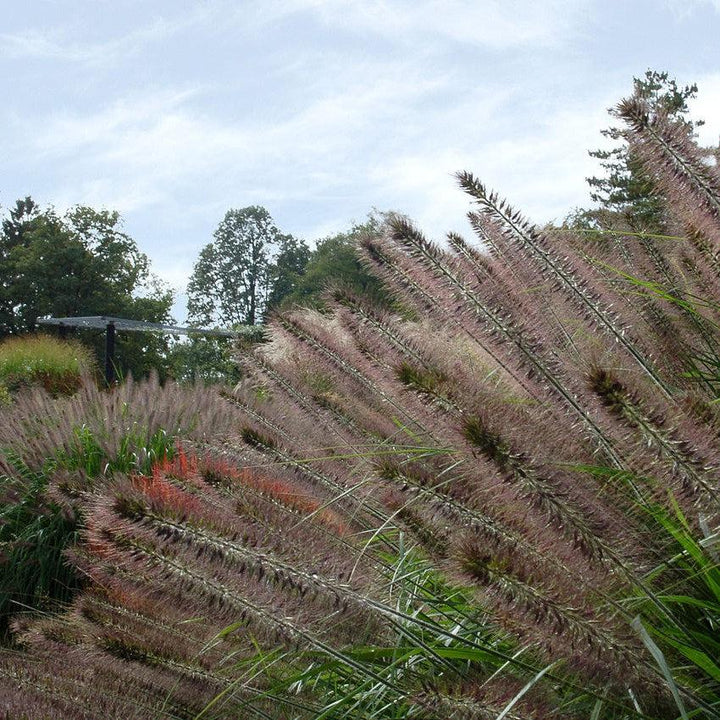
498 500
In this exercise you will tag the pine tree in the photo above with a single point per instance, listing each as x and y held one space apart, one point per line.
626 187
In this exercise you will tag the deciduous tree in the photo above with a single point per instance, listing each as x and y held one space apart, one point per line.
335 262
235 275
82 263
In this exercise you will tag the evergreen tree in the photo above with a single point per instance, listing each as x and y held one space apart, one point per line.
626 188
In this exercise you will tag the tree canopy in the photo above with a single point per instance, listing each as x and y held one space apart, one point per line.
626 188
335 262
248 266
81 263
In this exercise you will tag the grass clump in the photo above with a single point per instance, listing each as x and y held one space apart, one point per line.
56 365
54 452
34 533
39 520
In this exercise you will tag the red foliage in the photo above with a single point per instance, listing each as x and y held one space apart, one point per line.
158 489
188 467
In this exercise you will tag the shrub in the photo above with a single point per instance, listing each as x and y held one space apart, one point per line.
57 366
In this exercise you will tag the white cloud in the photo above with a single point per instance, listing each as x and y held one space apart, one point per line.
707 107
380 142
540 165
34 43
318 109
685 8
146 148
65 133
490 23
61 43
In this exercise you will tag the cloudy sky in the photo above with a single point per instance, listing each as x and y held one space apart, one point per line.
174 111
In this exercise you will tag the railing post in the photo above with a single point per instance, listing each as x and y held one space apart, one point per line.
110 354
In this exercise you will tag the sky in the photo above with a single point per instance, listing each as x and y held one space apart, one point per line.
172 112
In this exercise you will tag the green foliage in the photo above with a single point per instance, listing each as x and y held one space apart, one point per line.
626 188
34 533
136 451
56 365
681 610
77 265
335 263
35 530
438 632
204 359
234 278
675 604
52 451
288 270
